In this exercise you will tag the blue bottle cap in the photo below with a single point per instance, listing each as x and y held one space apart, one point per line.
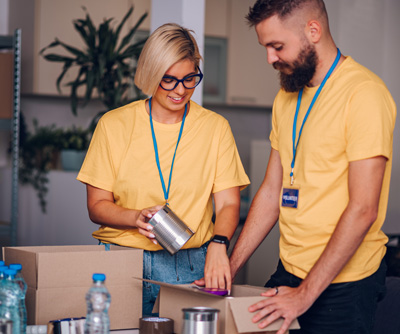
2 263
99 277
15 266
10 272
3 268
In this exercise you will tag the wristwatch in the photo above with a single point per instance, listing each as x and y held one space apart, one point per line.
221 239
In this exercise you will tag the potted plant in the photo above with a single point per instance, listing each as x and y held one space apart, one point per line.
106 65
75 142
39 152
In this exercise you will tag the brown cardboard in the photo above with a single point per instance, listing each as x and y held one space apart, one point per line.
234 317
6 84
59 277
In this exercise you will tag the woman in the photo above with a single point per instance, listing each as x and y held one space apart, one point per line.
192 147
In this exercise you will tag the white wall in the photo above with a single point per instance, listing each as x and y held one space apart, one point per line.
3 17
368 30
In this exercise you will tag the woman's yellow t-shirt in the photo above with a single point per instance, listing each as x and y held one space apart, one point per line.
121 160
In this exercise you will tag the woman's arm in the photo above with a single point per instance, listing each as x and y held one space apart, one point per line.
217 271
103 211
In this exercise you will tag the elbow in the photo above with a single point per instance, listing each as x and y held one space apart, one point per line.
367 214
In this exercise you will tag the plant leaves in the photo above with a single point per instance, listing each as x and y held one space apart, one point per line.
127 39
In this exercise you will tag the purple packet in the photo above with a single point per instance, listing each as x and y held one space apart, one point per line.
215 291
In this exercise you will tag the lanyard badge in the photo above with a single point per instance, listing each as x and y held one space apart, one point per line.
290 196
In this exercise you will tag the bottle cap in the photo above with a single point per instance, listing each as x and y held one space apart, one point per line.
15 266
10 272
99 277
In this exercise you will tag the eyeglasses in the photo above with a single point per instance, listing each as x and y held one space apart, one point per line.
189 82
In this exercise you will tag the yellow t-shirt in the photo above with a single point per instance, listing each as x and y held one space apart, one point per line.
352 119
121 160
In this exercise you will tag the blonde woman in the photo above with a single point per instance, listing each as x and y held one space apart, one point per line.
166 149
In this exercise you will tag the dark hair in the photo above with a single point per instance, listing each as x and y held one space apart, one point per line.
264 9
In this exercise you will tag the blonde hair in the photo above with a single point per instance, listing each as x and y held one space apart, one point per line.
167 45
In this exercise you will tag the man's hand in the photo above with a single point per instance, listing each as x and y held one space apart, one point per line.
284 302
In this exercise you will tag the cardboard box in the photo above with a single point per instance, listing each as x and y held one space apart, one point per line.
234 316
6 84
59 277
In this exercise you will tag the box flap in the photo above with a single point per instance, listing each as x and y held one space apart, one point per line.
242 316
186 287
28 261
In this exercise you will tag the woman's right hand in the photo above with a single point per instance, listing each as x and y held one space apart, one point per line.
142 222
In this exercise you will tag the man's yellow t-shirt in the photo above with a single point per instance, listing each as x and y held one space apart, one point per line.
352 119
121 160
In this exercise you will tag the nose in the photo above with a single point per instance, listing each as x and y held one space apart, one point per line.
180 89
271 56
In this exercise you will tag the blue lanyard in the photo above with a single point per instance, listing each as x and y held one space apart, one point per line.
308 112
166 191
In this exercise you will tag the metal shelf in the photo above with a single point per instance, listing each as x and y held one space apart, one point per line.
13 43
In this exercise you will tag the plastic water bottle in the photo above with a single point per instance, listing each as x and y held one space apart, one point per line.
9 297
19 279
98 301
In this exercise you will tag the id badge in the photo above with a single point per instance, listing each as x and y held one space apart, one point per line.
290 197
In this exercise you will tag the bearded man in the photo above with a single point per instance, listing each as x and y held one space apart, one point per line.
327 180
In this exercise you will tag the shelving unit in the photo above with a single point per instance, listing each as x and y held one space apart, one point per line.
13 43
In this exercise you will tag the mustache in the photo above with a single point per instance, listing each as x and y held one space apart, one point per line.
281 66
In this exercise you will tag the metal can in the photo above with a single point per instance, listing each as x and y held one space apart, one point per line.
200 320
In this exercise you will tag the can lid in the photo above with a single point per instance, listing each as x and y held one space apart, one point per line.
99 277
200 313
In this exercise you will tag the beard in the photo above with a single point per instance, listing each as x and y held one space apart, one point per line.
302 70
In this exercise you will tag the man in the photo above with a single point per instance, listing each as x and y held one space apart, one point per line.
327 179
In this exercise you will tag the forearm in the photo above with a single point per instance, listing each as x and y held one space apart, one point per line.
226 220
347 237
262 217
109 214
263 214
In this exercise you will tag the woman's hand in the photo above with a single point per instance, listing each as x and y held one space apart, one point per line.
217 273
142 222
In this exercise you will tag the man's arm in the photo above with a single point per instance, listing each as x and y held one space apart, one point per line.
262 217
365 182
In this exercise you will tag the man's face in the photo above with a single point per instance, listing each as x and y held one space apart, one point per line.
297 74
289 52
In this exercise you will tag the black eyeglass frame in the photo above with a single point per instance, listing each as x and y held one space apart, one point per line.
200 75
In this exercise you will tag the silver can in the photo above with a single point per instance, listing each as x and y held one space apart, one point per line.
200 320
170 231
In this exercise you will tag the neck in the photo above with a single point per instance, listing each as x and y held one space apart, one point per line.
325 62
161 115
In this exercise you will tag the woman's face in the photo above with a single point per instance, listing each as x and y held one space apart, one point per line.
176 99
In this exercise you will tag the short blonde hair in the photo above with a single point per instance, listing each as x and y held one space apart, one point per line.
167 45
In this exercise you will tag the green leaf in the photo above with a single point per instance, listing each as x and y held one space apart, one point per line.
66 67
127 39
57 58
118 30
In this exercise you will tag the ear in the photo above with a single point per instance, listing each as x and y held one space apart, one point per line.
313 31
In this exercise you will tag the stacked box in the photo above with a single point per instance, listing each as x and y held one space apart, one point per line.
58 278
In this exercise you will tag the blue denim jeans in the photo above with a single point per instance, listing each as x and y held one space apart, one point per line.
343 308
183 267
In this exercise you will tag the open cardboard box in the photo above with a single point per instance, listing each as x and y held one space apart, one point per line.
234 316
59 277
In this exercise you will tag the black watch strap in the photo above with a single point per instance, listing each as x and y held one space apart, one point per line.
221 239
